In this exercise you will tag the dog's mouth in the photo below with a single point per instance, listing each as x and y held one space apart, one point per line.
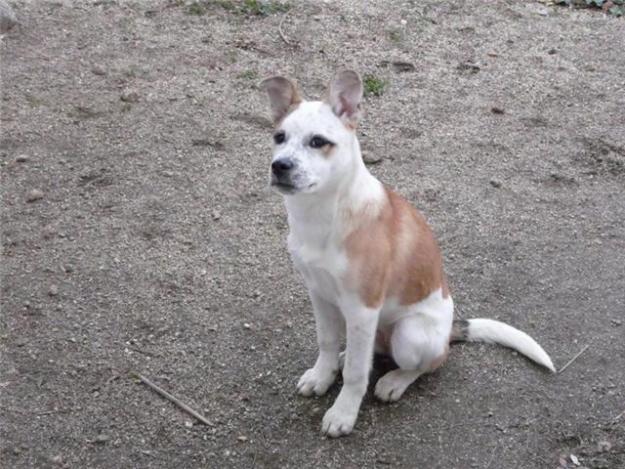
289 188
284 187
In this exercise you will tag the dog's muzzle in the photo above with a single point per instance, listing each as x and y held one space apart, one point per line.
281 170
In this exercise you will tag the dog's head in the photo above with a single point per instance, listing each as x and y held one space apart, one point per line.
314 141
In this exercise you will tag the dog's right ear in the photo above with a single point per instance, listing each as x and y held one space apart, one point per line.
283 96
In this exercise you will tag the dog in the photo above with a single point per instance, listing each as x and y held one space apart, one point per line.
372 266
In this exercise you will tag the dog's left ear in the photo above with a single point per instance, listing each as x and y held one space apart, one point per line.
344 95
283 95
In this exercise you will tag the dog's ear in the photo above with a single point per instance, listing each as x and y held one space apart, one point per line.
344 95
283 96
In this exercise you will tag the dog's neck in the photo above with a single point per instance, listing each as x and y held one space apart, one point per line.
320 219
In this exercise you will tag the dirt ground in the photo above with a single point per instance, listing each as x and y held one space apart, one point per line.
139 233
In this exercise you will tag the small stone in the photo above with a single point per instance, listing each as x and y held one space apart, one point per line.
402 67
369 158
7 17
216 215
101 439
34 195
497 110
22 158
495 183
246 325
552 51
129 96
617 322
604 446
48 232
468 67
53 291
97 70
242 438
188 424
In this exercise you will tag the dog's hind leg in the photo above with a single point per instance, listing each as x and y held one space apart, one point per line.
417 346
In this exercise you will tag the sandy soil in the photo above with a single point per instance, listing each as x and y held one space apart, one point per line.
139 235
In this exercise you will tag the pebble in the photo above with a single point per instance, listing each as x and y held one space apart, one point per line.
604 446
34 195
129 96
495 183
48 232
22 158
242 438
369 158
216 215
497 110
102 438
97 70
7 17
53 291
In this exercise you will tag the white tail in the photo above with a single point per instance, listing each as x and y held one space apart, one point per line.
489 330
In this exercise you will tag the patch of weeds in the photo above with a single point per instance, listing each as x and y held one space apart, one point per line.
374 86
248 75
612 7
231 56
33 100
196 8
395 35
227 5
264 7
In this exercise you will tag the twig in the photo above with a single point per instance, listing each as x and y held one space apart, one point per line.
617 417
282 32
492 456
573 359
174 399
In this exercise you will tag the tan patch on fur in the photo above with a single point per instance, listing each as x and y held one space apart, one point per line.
445 286
327 150
394 254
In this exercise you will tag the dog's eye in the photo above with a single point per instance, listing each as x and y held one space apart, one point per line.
279 137
319 142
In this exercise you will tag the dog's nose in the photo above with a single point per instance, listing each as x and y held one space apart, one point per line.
281 166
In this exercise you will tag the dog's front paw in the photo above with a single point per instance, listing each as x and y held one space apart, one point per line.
338 421
315 381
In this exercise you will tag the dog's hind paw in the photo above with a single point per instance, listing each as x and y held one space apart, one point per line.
393 384
315 381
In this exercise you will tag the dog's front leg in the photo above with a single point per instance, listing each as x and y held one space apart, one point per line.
361 323
329 325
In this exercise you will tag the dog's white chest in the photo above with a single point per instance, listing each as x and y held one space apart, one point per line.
321 266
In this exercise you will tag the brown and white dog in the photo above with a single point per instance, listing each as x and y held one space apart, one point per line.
371 264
